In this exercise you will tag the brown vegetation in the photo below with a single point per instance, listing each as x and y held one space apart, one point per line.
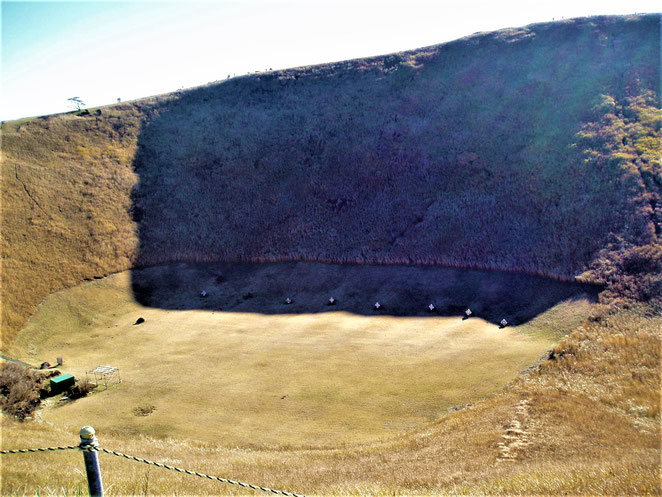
585 422
465 154
22 389
80 389
533 150
66 182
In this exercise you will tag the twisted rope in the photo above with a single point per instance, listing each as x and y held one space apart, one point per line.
195 473
153 463
45 449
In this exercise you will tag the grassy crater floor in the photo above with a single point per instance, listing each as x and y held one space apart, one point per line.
277 379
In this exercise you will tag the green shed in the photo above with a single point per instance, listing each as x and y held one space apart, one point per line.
61 383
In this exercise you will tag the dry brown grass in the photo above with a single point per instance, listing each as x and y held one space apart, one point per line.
587 422
65 191
263 380
469 160
580 437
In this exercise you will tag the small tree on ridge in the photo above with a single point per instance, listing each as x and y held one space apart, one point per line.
77 102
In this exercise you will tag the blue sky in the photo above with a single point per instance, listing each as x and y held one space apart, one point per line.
101 51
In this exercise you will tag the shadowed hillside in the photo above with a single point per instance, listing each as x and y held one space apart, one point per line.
465 154
531 150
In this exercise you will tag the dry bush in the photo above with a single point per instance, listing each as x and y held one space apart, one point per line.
81 389
19 390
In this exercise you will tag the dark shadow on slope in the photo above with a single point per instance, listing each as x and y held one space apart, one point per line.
461 154
458 155
401 290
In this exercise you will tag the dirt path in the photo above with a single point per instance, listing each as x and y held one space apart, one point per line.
16 361
516 436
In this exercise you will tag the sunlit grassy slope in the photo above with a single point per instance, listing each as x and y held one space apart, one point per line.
525 150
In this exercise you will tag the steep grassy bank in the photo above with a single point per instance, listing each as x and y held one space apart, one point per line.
66 183
465 154
459 155
526 150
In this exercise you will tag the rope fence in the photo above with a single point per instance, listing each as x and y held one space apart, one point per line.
45 449
199 475
89 446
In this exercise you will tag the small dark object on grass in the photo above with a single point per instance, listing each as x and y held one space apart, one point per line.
247 296
139 321
45 365
59 361
144 410
459 407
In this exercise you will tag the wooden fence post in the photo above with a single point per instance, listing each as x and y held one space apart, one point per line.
91 457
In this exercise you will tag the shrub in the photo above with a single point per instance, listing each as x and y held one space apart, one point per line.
80 389
19 390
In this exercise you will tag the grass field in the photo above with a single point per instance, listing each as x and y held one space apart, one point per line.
259 379
583 423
